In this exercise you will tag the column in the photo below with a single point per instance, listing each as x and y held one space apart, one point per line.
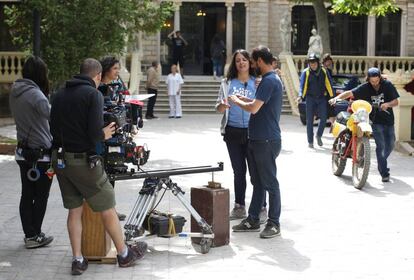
177 16
247 6
371 29
158 51
403 37
136 58
229 31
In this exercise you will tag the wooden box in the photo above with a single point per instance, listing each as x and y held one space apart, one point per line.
213 206
96 242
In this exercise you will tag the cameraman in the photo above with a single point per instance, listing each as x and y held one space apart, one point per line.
76 127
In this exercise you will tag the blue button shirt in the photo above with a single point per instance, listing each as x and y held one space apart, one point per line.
238 117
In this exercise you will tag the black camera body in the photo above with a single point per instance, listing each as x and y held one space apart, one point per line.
121 148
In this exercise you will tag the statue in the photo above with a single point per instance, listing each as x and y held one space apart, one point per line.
285 28
315 43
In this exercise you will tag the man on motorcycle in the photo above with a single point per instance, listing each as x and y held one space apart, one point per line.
315 84
382 95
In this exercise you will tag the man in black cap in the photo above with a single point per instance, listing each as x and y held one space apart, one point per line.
383 96
315 85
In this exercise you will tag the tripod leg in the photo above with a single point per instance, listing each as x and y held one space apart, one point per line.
200 221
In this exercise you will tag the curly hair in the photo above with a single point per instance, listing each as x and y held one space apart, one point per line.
107 62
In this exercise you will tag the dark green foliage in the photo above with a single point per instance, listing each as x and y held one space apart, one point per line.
72 30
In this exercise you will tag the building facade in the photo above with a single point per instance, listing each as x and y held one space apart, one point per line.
248 23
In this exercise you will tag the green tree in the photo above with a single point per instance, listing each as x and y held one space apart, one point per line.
351 7
72 30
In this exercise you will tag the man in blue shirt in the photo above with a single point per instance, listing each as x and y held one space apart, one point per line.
264 144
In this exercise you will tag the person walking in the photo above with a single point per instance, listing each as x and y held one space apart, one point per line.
383 96
174 82
77 127
240 80
153 80
315 85
30 108
264 144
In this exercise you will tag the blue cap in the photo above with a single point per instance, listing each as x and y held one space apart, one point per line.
374 72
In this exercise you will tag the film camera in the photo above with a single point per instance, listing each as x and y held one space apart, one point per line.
121 148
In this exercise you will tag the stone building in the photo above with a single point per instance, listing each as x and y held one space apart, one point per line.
247 23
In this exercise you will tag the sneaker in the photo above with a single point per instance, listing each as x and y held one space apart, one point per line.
263 215
148 117
310 145
140 248
79 267
37 241
121 216
130 259
270 230
178 117
385 178
247 225
319 140
171 117
154 117
238 212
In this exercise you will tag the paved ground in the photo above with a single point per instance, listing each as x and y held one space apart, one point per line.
329 229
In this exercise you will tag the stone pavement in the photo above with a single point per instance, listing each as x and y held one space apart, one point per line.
330 230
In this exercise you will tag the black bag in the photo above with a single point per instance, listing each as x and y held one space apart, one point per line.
235 135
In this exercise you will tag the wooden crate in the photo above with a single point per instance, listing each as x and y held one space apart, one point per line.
96 242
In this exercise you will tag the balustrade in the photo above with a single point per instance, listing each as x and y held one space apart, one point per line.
11 64
358 65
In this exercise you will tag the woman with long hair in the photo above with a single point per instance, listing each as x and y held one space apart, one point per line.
31 111
240 80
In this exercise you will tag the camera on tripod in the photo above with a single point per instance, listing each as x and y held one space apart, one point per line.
121 148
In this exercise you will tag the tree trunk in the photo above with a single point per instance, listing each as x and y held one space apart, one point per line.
321 14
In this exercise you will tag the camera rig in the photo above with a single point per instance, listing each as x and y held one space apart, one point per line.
121 148
155 181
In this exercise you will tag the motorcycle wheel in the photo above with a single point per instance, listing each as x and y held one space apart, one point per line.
338 164
360 169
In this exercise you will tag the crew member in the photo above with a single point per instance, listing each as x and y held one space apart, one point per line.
76 127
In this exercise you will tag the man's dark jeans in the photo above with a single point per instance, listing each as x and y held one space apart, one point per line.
314 105
151 102
384 136
262 167
33 201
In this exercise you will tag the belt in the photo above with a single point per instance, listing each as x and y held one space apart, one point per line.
69 155
263 141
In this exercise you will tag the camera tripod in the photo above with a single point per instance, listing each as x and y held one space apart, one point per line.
155 181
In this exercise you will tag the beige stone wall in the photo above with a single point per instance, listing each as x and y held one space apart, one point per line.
259 28
149 45
410 30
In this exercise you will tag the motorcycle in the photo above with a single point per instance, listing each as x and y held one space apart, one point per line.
352 132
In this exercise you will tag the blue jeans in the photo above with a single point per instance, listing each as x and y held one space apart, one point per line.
314 105
238 158
217 67
384 136
262 167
